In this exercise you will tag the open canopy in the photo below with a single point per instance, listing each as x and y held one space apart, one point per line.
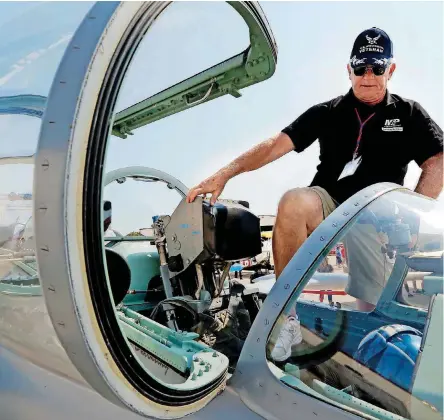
256 64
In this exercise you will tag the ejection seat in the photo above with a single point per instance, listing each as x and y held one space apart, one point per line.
145 274
131 277
194 364
119 275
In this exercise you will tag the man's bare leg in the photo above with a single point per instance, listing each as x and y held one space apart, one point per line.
299 213
364 306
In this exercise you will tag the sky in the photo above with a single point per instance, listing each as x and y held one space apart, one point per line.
314 41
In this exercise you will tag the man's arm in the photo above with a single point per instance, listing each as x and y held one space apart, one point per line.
430 182
299 135
427 149
258 156
255 158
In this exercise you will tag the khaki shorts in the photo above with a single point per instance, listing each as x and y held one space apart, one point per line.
328 203
368 267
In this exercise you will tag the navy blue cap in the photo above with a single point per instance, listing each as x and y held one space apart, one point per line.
372 46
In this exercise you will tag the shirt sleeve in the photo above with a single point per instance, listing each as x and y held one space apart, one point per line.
427 135
305 129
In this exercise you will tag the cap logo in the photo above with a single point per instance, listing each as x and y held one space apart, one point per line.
380 61
372 41
371 48
355 61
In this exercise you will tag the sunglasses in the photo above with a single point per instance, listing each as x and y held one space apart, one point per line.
377 70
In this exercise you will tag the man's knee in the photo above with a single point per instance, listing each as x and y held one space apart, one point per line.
301 204
295 201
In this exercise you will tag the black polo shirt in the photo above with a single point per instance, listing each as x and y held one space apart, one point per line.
399 131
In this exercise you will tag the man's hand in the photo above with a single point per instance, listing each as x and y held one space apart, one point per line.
214 185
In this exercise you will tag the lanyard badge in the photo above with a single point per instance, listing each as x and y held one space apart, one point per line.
350 167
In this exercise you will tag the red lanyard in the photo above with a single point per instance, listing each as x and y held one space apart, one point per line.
361 126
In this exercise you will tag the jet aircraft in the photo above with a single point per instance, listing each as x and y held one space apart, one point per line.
103 326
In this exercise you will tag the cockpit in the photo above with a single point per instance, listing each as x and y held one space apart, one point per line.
179 277
373 323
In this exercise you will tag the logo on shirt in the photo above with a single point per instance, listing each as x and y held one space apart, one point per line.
392 125
372 41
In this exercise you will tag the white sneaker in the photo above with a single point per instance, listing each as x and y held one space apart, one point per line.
289 336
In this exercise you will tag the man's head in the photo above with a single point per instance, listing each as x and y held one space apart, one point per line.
371 65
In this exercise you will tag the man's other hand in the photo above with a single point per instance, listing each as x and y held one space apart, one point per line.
213 185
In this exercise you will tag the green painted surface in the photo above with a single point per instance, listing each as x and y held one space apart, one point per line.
175 348
14 289
144 266
353 402
197 363
22 279
254 65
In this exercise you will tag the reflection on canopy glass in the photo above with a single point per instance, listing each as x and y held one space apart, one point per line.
375 346
18 266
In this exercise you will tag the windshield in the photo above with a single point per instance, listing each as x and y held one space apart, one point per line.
358 320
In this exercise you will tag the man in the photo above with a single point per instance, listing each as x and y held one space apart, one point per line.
338 256
366 136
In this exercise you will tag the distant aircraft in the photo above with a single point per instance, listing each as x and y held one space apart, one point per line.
98 325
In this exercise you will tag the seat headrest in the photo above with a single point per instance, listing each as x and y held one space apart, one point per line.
119 275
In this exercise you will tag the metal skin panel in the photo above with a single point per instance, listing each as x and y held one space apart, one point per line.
186 239
29 392
26 329
258 387
49 176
